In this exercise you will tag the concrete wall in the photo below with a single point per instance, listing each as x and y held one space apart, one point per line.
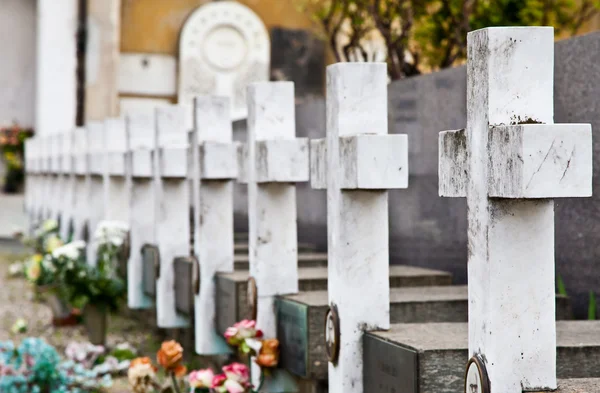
426 230
17 68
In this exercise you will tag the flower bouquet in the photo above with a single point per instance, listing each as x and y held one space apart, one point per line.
143 375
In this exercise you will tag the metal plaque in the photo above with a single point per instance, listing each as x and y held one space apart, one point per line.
184 284
150 269
252 298
388 367
227 304
476 376
332 334
124 254
292 332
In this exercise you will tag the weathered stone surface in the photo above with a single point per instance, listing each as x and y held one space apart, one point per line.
242 248
232 287
583 385
301 316
310 259
442 352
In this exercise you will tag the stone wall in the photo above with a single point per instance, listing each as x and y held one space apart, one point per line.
429 231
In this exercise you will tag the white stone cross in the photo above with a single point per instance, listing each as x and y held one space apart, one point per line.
96 140
46 175
509 163
171 204
213 169
33 180
276 158
67 199
81 187
117 171
140 141
357 162
55 178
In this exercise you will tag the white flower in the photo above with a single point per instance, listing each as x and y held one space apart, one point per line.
16 269
111 232
50 225
71 250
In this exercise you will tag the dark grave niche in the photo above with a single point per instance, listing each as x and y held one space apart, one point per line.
186 284
298 56
123 257
150 269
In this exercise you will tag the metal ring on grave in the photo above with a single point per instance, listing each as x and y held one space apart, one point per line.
476 376
196 275
252 294
332 334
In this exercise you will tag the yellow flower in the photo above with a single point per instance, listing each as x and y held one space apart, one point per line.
34 267
37 258
52 243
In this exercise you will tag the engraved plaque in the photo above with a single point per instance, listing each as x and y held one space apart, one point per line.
476 377
227 304
124 254
150 269
184 284
292 332
388 367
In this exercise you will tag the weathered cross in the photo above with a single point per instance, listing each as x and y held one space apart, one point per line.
171 204
213 170
118 182
96 139
357 163
140 141
67 198
56 186
509 163
276 158
81 184
33 179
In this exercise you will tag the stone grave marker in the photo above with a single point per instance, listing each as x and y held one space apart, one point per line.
55 176
509 163
276 159
81 192
46 176
214 166
67 200
362 162
171 204
96 140
140 136
33 180
224 46
117 171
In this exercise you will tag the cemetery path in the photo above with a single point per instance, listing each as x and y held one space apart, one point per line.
17 301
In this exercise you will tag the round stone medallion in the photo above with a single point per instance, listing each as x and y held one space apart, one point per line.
225 47
476 378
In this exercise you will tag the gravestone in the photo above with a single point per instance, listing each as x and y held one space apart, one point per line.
118 174
55 176
96 139
276 158
214 166
171 204
45 172
81 192
140 136
515 156
361 163
224 46
66 202
186 288
30 181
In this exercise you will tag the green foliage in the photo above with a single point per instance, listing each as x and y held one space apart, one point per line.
431 34
592 307
562 289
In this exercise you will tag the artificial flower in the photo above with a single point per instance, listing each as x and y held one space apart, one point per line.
234 386
246 329
142 378
268 357
237 372
201 378
170 355
218 381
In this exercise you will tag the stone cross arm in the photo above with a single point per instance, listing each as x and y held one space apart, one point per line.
218 160
276 161
171 142
524 161
368 162
116 146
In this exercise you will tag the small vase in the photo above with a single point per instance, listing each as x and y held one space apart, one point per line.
95 324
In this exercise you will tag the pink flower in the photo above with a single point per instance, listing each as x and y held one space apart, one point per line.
237 372
234 386
201 378
242 330
218 380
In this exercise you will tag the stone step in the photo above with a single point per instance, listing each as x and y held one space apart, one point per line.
241 247
305 259
300 320
582 385
431 358
232 299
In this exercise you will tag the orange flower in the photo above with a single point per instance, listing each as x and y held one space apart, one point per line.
170 355
138 361
180 370
268 356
